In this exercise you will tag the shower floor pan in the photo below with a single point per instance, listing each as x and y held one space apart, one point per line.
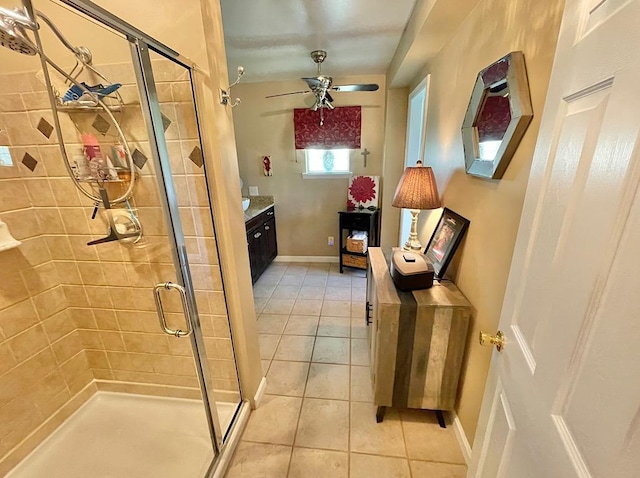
127 436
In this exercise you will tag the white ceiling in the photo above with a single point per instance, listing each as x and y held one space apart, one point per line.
272 39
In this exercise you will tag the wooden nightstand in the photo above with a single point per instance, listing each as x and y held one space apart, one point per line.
416 340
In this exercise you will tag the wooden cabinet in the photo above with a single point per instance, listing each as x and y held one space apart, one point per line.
417 340
262 242
357 220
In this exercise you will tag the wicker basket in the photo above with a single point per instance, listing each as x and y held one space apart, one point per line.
354 261
357 242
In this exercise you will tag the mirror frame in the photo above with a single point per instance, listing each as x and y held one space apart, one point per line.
521 114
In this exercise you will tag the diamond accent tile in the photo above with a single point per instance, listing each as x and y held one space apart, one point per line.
139 159
166 122
29 161
196 157
45 128
101 125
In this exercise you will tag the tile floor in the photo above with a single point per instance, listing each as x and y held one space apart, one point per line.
316 419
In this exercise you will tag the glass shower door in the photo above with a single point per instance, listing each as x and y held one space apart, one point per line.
182 172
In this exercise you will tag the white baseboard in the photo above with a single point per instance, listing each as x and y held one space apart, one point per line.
260 393
332 259
462 439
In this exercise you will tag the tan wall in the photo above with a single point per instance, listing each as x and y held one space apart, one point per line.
494 28
393 164
306 209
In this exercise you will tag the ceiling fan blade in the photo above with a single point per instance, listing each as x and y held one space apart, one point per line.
291 93
328 97
361 87
328 104
313 82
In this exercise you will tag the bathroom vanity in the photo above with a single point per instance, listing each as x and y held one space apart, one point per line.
260 223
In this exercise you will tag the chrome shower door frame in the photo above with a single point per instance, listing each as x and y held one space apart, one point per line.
153 119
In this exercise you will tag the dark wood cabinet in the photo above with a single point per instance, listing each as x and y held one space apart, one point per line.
262 242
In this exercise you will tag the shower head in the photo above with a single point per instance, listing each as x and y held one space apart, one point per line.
13 35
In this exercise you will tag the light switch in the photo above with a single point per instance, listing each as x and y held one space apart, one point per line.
253 190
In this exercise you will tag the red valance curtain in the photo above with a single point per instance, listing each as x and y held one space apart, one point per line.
341 129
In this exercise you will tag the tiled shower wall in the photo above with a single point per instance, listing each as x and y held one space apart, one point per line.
71 313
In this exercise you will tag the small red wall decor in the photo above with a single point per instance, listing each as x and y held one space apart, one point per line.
341 128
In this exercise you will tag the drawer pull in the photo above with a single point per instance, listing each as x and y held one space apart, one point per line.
257 235
368 317
270 213
266 228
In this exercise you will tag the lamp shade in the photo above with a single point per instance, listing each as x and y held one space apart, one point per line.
417 189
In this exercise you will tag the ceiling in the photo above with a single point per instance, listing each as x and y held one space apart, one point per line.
273 39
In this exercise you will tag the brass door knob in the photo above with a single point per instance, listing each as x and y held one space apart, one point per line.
498 340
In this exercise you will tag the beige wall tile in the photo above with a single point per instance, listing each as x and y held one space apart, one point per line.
18 318
67 347
58 325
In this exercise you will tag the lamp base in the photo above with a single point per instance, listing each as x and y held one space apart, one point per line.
413 244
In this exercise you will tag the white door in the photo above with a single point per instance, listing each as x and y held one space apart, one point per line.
414 150
563 397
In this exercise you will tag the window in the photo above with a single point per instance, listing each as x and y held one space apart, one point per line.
5 156
326 162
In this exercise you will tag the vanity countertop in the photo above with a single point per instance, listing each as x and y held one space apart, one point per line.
257 206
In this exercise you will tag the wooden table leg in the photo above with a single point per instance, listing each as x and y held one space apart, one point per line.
440 418
380 414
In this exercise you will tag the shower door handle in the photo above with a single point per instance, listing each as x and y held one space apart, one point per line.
160 309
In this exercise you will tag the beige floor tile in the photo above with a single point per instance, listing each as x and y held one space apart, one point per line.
269 278
315 280
361 384
286 292
359 280
358 329
370 466
338 280
259 303
263 290
265 366
358 294
337 293
287 378
367 436
331 350
359 352
271 323
334 327
301 325
307 307
268 344
328 381
437 470
295 348
278 306
257 459
323 424
274 421
292 279
311 292
336 308
426 440
358 310
310 463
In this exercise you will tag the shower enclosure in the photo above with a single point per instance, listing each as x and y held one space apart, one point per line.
116 356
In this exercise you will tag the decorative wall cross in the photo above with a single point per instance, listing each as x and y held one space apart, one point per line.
365 153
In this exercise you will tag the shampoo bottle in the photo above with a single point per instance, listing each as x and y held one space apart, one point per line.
97 165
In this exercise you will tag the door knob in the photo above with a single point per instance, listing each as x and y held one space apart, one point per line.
498 340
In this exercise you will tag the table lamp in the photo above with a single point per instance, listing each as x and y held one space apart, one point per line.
416 190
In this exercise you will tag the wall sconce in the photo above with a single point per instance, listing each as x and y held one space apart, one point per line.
225 95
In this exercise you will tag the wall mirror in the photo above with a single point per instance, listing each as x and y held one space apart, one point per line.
498 115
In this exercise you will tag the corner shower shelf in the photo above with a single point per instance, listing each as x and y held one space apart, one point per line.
93 109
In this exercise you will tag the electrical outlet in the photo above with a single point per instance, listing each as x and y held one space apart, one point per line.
253 190
330 241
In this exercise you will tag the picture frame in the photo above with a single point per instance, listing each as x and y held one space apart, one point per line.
445 240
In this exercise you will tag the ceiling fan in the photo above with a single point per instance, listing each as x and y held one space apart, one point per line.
321 85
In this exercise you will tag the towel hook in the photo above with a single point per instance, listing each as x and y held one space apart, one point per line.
225 95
